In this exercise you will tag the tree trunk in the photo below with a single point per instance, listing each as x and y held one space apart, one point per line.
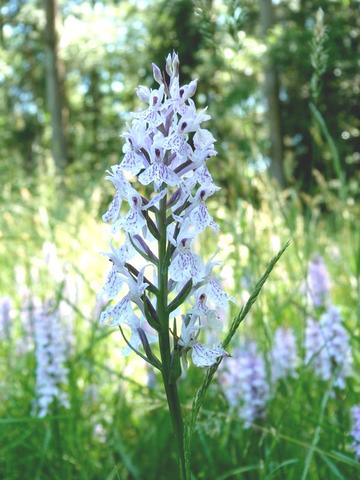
271 91
95 113
55 87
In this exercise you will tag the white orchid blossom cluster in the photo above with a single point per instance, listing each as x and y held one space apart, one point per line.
327 347
5 318
244 382
51 351
284 358
161 188
327 343
355 432
318 282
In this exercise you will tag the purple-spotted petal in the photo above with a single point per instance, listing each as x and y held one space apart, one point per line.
203 356
118 314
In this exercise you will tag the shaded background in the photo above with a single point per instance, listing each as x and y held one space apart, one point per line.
68 73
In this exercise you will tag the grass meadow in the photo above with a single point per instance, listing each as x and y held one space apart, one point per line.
116 425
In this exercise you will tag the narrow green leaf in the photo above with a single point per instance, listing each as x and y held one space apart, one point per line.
175 366
126 458
345 459
150 313
332 467
200 394
286 463
181 297
149 353
317 432
332 147
236 471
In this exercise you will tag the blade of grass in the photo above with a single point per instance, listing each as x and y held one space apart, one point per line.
332 147
335 455
45 447
125 457
345 459
317 432
291 461
335 471
200 394
236 471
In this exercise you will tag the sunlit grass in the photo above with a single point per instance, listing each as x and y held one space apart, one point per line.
116 426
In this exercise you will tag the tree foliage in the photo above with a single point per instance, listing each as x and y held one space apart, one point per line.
103 47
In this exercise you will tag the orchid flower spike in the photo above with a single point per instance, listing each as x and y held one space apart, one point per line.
166 153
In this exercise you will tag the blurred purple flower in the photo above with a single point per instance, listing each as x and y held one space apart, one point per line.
355 432
318 282
327 347
283 354
5 318
243 379
51 355
29 307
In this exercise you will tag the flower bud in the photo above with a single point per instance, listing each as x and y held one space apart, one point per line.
191 89
143 93
141 245
174 198
168 65
157 74
175 65
172 65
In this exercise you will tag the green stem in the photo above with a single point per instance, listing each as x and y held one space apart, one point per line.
177 422
164 340
57 436
333 150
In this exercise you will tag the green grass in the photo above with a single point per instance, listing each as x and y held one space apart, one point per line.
117 427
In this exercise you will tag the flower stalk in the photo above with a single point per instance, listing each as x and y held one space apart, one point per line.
170 384
179 303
